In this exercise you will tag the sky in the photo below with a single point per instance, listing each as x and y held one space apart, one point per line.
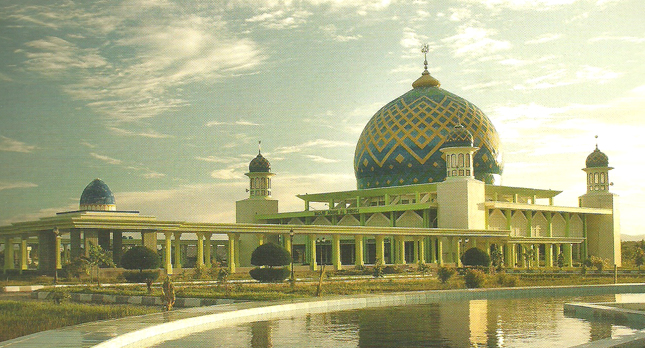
166 100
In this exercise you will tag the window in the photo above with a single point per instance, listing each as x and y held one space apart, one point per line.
468 160
595 178
602 178
461 160
461 172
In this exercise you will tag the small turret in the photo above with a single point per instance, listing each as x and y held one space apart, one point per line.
260 177
458 149
597 169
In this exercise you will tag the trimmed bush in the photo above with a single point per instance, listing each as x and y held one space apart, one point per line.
474 278
270 254
140 257
270 275
445 273
507 280
475 257
141 276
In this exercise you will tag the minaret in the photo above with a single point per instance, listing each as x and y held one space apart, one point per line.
460 196
259 202
602 230
597 169
260 177
459 150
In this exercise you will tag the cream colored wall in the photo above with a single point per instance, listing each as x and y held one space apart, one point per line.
461 204
603 231
245 211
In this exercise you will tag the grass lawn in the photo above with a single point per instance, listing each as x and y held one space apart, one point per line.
19 318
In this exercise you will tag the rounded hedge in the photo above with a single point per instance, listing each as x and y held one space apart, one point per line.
140 257
475 257
269 275
140 277
270 254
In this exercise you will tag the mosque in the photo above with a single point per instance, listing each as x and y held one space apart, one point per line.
428 167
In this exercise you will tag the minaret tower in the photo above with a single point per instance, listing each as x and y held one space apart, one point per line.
259 202
602 230
459 150
597 169
260 177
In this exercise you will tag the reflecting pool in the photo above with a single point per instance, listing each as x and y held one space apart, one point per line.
523 322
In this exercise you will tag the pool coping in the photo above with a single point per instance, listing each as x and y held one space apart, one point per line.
159 327
612 312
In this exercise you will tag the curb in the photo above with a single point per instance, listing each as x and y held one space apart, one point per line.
137 300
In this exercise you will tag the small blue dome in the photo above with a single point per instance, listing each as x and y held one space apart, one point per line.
259 164
459 136
97 196
597 159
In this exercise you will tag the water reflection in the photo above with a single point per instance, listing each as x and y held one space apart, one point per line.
526 322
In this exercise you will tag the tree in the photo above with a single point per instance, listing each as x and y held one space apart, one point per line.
497 259
639 257
445 273
271 255
561 260
97 257
475 257
267 256
141 257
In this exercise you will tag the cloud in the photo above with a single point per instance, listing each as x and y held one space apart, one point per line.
475 42
522 4
160 51
543 38
631 39
11 145
146 134
332 32
280 19
564 77
236 123
214 159
318 143
16 185
106 159
320 159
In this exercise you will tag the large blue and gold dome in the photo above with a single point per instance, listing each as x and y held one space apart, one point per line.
400 144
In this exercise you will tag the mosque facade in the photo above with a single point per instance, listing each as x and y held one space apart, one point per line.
428 167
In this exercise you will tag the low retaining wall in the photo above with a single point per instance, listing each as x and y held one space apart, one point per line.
137 300
183 327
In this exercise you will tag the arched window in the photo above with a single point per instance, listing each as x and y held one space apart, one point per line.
461 160
602 178
467 160
595 178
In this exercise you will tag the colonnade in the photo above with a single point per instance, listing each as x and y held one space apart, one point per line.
437 250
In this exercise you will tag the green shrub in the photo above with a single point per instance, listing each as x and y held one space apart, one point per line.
140 276
474 278
507 280
270 254
445 273
270 275
475 257
140 257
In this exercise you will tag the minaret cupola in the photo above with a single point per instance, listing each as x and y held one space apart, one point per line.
458 150
597 169
260 177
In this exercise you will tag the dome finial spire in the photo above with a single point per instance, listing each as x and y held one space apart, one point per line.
259 147
426 80
596 142
425 49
